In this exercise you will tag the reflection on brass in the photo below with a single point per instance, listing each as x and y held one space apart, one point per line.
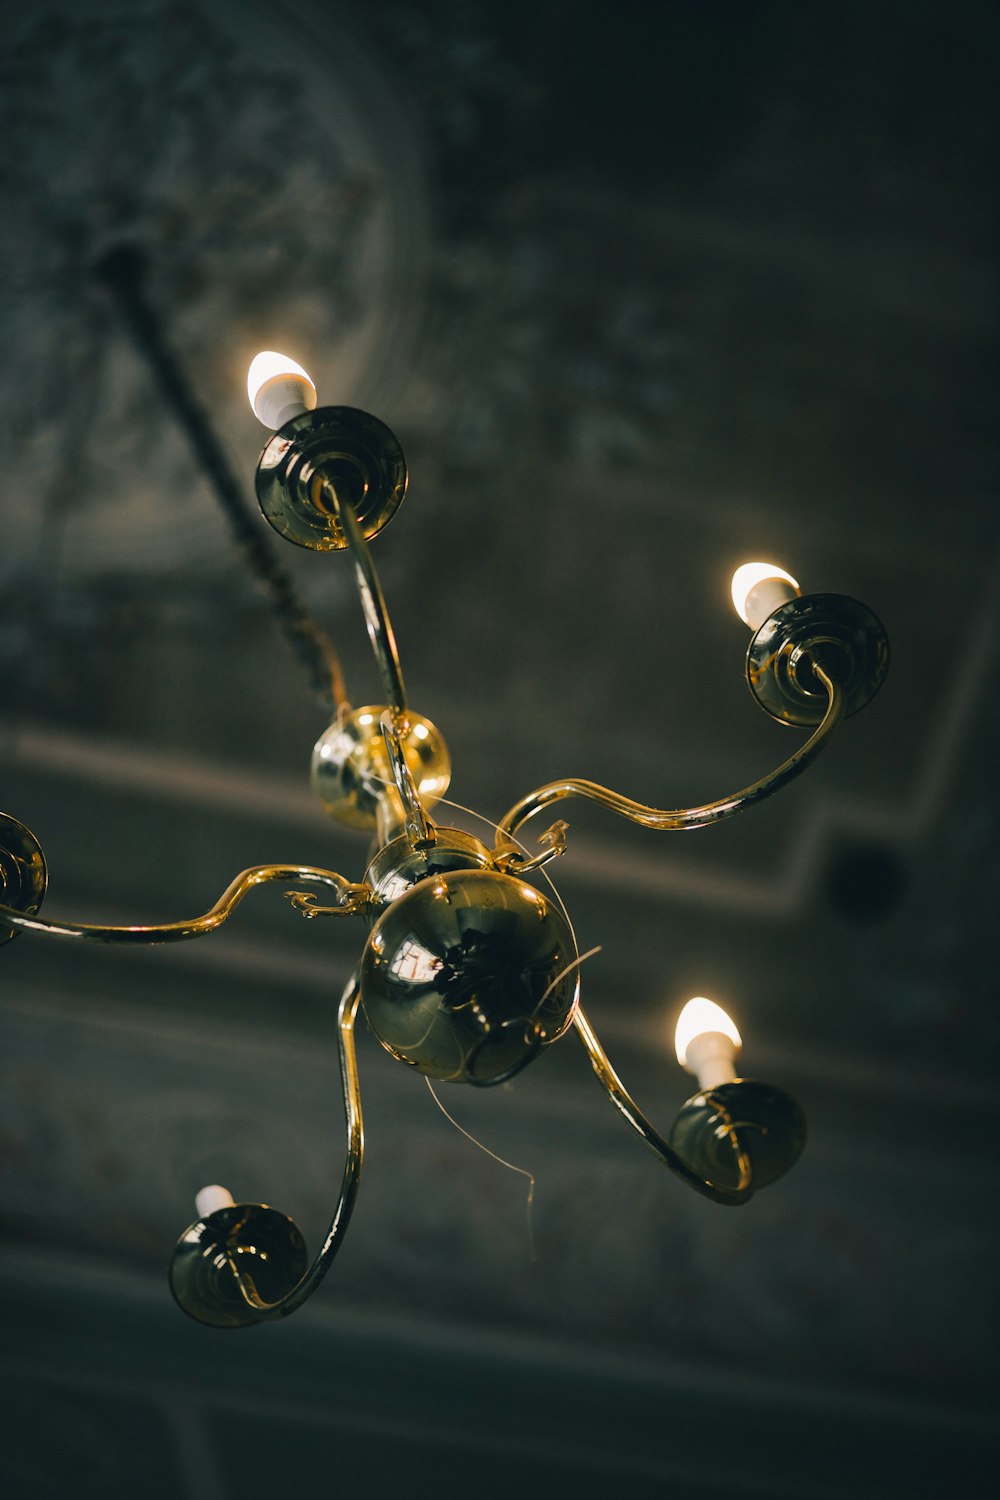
247 1246
352 770
332 445
740 1134
23 876
468 971
398 865
807 637
468 975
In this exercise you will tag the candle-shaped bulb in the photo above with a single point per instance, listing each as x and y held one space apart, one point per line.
208 1199
759 588
279 389
707 1041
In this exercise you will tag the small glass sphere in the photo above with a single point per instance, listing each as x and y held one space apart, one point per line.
351 772
466 976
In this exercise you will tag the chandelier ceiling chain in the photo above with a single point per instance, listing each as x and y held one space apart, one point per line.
468 971
122 272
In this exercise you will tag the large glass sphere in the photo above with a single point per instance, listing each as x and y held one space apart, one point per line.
466 976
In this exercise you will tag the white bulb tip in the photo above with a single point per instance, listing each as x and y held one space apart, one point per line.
209 1199
278 388
699 1017
758 589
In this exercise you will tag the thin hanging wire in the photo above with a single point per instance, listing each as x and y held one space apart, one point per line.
521 1171
121 270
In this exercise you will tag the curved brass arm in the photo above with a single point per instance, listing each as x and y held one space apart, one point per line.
623 1101
689 817
310 1280
353 899
380 631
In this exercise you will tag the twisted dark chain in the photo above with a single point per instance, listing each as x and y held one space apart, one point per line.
122 270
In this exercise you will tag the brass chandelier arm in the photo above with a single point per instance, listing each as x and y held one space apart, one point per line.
553 842
688 817
623 1101
419 829
380 631
310 1280
353 898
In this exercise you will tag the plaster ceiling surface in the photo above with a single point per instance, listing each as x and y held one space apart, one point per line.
642 291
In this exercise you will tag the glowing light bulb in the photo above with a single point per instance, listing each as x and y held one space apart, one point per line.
707 1040
759 588
278 388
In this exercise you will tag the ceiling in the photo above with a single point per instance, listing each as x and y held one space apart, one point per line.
643 292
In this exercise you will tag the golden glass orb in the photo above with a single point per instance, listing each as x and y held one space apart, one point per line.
467 976
351 772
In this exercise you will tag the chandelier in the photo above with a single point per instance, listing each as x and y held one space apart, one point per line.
469 965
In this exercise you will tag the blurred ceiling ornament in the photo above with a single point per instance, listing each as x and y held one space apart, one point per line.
204 127
469 970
